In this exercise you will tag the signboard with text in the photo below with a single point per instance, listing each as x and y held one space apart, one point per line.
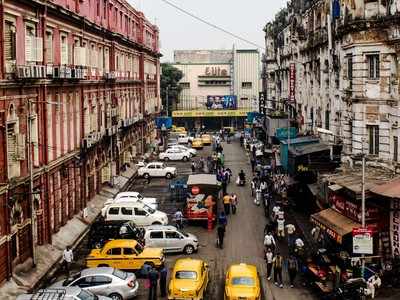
292 83
221 102
352 210
363 241
395 226
210 113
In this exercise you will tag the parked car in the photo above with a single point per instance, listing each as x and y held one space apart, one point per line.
157 169
197 143
189 279
183 138
175 154
101 232
133 197
172 141
170 239
105 281
242 282
141 214
206 138
125 255
193 152
63 293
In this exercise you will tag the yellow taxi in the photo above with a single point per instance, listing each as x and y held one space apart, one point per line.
189 279
242 282
125 255
207 139
197 143
180 130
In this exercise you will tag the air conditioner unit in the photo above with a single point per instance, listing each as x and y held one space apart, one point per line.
67 72
49 71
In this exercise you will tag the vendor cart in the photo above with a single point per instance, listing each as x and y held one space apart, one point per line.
204 195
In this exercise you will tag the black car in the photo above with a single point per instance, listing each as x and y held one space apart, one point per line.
353 289
101 232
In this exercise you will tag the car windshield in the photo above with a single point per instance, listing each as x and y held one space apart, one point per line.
186 275
184 233
149 209
86 295
139 248
140 196
243 281
120 274
162 166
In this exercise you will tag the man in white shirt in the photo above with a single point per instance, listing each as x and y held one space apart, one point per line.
68 257
269 241
281 227
290 230
269 257
178 216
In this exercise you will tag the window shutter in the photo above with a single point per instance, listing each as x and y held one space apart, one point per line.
11 145
21 146
64 50
9 41
28 48
39 49
49 48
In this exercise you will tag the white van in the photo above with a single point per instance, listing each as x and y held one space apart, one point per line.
140 213
124 197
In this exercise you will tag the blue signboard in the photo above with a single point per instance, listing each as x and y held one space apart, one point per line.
251 116
221 102
282 133
167 121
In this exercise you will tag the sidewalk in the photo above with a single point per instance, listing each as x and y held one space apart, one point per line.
49 256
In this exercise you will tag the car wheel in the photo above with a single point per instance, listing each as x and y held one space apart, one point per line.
185 158
146 175
189 249
168 175
116 296
103 265
166 159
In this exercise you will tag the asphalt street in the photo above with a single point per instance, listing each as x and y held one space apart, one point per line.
244 236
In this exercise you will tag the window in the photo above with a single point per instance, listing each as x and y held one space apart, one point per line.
49 47
156 235
247 85
186 275
106 60
113 211
327 116
83 282
152 167
127 211
100 280
64 49
129 251
114 251
185 85
373 138
30 31
9 40
140 212
172 235
105 9
98 8
373 66
395 148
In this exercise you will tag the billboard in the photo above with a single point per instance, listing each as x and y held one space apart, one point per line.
362 241
209 113
221 102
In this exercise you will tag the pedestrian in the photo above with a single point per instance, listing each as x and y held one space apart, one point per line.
153 279
224 183
222 220
234 203
253 164
163 280
193 167
269 241
281 227
253 151
258 195
227 204
221 235
253 186
373 283
68 257
290 228
269 257
178 216
277 264
293 268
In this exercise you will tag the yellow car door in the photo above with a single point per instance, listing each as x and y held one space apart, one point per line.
204 273
113 258
131 259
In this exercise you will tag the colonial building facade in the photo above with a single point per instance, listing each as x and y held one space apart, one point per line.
338 61
79 84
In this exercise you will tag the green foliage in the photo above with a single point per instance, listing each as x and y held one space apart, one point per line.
170 77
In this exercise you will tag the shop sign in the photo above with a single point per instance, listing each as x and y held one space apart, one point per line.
333 234
292 83
210 113
363 241
395 226
352 210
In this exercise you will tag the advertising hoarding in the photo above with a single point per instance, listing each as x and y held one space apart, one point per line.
363 241
221 102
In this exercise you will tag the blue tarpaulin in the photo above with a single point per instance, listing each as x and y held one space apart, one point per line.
335 9
167 121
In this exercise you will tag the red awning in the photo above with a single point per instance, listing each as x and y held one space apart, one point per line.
390 189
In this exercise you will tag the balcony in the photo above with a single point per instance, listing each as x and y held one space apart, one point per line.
91 140
110 131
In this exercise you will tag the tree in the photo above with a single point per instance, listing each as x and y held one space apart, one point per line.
170 77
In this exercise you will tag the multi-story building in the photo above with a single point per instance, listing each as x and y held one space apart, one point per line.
217 83
346 78
79 84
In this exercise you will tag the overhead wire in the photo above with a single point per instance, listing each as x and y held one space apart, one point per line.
202 20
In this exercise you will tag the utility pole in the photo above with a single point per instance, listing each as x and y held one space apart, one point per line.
167 100
363 206
32 199
112 148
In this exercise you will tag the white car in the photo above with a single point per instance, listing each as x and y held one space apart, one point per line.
132 197
175 154
170 239
183 138
157 169
192 151
140 214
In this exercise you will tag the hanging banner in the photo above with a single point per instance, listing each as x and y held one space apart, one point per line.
362 241
395 226
292 83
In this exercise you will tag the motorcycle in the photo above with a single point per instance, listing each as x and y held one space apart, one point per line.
240 182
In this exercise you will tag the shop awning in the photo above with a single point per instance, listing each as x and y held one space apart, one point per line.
390 189
335 187
334 224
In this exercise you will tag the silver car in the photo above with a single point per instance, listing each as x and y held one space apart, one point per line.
64 293
105 281
170 239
